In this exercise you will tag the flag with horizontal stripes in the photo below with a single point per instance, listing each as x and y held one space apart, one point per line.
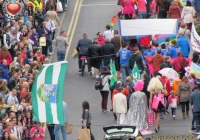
47 93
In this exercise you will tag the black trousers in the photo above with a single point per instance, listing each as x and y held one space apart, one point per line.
185 105
51 131
128 16
162 14
117 63
45 48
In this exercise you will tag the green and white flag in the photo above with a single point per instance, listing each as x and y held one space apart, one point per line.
47 93
135 73
113 72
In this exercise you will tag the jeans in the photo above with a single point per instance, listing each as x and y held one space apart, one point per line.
173 111
142 15
162 14
80 63
63 131
104 95
185 105
61 55
193 118
197 119
63 3
51 131
50 36
125 72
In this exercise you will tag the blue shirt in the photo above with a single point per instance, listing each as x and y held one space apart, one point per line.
124 56
147 53
164 52
154 51
173 52
184 45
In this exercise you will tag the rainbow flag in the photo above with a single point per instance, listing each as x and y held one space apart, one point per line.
161 38
74 53
114 18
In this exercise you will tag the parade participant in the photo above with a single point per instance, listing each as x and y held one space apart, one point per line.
61 43
142 9
174 49
117 41
163 8
146 80
166 64
184 45
172 99
108 33
194 101
186 32
86 117
184 91
124 54
174 10
37 132
157 104
137 113
108 52
128 8
192 80
94 53
188 14
196 60
157 60
120 106
100 39
82 48
179 64
136 58
105 75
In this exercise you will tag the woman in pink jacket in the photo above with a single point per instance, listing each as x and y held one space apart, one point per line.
128 8
142 10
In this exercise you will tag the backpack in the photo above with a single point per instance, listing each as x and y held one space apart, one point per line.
98 83
1 71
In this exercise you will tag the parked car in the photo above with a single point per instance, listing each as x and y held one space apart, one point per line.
121 132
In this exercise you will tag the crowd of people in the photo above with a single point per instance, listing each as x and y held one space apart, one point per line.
130 100
21 56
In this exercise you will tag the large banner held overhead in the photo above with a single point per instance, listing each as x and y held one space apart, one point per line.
47 93
195 69
195 39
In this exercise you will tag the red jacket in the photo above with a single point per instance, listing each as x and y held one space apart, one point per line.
101 40
174 11
8 59
178 63
166 83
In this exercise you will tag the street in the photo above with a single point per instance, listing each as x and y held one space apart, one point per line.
94 15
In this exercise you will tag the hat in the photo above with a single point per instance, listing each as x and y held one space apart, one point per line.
139 85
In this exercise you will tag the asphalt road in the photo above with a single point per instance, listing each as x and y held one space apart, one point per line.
94 16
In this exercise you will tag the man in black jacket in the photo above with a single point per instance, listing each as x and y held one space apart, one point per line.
94 53
136 58
107 52
38 16
82 48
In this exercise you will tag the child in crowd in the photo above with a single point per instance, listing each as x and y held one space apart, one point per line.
172 99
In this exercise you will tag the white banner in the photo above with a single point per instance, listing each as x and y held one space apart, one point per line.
136 27
195 39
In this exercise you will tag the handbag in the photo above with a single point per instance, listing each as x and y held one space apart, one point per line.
42 41
150 118
59 6
69 128
84 134
119 2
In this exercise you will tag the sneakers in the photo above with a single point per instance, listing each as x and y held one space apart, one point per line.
50 53
79 70
193 128
46 59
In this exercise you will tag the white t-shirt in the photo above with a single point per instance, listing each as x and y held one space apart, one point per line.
108 34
